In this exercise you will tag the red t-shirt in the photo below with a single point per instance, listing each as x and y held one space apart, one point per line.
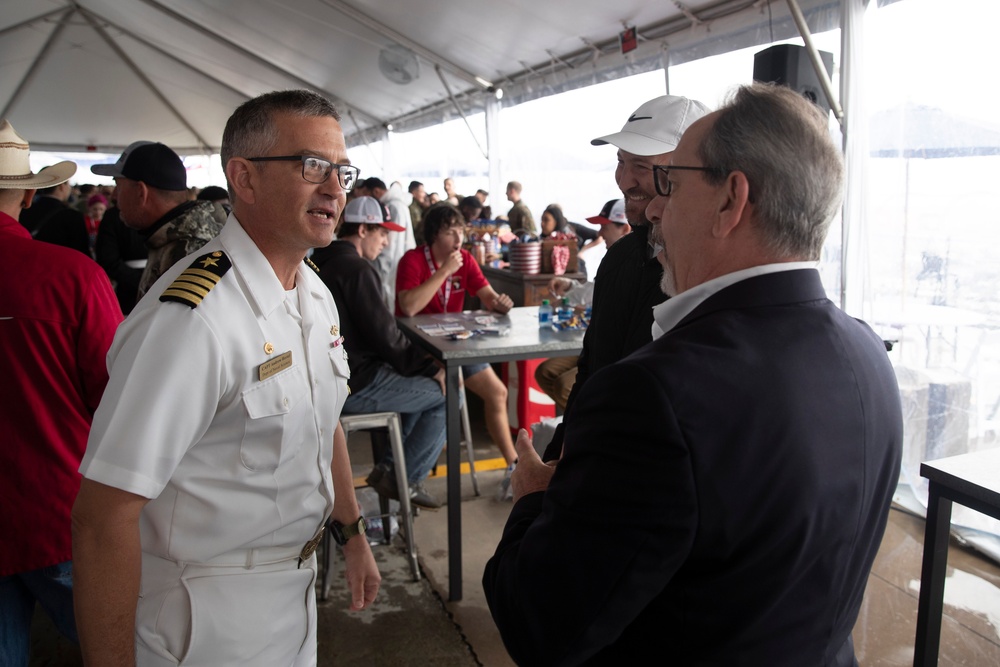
58 316
414 270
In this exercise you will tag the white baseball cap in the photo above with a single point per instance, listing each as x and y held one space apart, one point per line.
656 127
367 211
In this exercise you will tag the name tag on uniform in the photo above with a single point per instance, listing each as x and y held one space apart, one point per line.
275 366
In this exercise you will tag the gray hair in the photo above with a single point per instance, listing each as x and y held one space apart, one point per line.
251 131
782 143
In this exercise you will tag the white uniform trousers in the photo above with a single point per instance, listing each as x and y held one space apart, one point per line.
252 608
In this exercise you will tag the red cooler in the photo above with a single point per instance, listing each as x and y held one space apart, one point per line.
527 404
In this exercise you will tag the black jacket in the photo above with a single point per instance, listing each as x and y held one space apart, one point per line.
626 289
722 496
369 329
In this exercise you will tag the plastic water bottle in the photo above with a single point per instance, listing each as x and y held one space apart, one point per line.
565 311
544 315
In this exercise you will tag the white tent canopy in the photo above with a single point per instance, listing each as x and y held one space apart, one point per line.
95 75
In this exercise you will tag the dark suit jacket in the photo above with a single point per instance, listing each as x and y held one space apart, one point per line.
721 498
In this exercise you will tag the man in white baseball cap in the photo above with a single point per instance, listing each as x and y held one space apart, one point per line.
628 284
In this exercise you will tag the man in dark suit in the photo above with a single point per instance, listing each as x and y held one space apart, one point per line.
722 491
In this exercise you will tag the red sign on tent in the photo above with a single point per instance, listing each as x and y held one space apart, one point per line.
628 40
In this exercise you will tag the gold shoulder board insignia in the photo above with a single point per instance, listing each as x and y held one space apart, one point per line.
311 264
196 281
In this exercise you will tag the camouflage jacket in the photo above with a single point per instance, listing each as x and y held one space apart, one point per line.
180 232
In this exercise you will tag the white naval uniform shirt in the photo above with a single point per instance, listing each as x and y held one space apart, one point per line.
228 460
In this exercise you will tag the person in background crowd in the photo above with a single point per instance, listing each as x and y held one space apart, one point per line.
121 252
58 316
219 431
387 372
557 376
97 205
153 199
470 208
387 261
749 487
482 196
554 221
519 216
434 278
418 204
450 195
53 220
214 193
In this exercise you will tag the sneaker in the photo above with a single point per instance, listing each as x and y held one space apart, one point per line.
420 497
383 480
504 491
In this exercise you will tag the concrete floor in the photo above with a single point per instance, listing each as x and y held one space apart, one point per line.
413 624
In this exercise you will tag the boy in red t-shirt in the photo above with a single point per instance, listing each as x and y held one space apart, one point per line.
434 278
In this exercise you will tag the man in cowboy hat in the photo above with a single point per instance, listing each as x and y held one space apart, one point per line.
58 316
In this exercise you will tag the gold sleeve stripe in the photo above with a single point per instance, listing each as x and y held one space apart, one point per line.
195 280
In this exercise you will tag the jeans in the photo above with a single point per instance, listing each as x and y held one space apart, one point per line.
421 407
52 587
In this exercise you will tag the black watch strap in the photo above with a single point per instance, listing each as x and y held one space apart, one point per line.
342 533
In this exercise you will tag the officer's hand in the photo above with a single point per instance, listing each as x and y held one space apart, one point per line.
363 578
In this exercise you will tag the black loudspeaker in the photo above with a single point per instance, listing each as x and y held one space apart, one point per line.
789 65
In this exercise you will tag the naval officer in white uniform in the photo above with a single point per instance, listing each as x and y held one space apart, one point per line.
216 455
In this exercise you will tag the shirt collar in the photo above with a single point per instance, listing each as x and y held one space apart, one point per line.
10 225
262 284
673 310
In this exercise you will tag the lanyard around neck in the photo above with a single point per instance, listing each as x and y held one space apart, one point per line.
444 292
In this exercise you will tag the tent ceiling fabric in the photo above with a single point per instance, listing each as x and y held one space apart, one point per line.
99 74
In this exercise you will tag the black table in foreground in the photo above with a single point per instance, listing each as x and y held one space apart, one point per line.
972 480
524 341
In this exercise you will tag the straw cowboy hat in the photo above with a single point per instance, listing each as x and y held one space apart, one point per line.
15 169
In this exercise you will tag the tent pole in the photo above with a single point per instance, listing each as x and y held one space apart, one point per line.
817 63
149 84
168 55
493 145
458 107
30 74
253 56
41 17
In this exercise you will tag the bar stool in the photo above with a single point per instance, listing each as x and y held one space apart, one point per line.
378 422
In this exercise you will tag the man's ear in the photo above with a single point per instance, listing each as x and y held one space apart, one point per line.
734 206
142 192
242 178
27 198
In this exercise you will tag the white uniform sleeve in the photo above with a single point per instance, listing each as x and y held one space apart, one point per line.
167 375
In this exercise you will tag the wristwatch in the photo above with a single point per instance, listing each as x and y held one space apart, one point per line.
342 533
